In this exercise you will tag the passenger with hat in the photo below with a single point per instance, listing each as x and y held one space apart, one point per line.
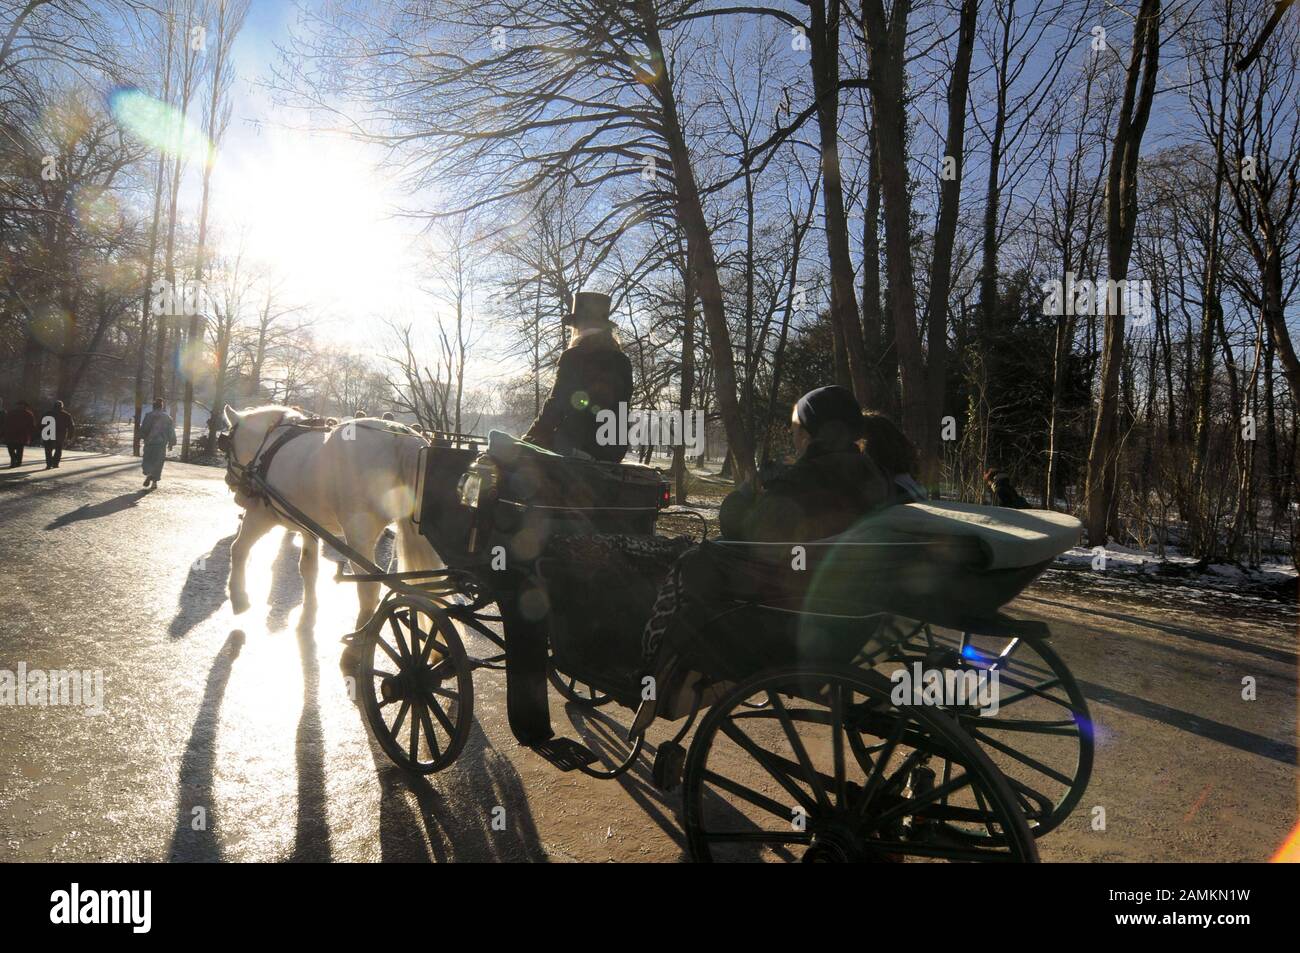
830 485
593 375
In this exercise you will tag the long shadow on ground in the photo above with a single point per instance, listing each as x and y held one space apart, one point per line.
94 511
194 838
204 590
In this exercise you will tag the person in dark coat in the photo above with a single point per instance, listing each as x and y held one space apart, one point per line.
594 375
894 455
830 486
20 427
1003 491
57 428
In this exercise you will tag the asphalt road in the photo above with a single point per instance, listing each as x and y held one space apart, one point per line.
226 737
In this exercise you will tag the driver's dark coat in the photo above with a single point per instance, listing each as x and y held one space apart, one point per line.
593 375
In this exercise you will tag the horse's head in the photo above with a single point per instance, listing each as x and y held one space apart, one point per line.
249 428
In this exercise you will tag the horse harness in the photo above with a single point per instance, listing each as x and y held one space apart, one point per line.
248 478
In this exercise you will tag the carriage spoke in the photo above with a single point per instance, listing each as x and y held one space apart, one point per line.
388 650
909 806
414 749
878 770
1021 757
397 634
765 760
984 811
748 794
1039 691
800 752
401 717
430 738
430 703
430 643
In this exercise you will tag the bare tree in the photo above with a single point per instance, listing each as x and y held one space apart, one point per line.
1121 223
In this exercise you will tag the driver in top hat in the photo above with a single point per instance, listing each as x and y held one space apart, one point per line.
593 375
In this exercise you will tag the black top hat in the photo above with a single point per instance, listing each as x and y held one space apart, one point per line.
590 310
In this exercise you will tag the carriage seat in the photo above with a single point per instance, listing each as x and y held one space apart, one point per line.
950 563
547 494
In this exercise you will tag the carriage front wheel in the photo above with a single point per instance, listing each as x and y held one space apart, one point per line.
415 684
818 764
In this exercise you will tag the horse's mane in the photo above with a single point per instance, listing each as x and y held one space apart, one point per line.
296 415
290 413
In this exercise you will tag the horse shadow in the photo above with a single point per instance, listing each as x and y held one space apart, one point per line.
204 590
194 837
311 842
460 818
286 584
93 511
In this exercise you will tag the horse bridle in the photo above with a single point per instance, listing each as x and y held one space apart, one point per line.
245 477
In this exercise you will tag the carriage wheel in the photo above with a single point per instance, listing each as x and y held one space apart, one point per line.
778 782
415 684
1041 736
579 693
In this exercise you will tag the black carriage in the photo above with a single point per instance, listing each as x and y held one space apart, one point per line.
804 748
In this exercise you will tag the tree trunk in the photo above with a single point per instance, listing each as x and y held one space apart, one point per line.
824 49
1121 222
944 237
886 40
700 248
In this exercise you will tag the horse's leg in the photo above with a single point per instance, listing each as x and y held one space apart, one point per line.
361 533
308 563
257 520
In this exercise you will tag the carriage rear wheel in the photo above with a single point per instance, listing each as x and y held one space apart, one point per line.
1041 735
415 683
829 769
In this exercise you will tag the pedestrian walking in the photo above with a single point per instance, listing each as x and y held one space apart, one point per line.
20 427
158 431
57 428
1003 492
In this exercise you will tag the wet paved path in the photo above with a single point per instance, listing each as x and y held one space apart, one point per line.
231 737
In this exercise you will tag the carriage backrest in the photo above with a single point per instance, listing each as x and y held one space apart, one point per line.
550 494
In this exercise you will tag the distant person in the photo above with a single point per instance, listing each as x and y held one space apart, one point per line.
593 375
20 427
894 455
1003 491
158 432
389 415
359 414
59 427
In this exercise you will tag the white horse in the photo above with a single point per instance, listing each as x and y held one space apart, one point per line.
353 480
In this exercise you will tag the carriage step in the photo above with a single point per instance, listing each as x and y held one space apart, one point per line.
565 753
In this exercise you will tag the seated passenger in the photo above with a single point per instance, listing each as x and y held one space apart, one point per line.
593 375
829 487
894 455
